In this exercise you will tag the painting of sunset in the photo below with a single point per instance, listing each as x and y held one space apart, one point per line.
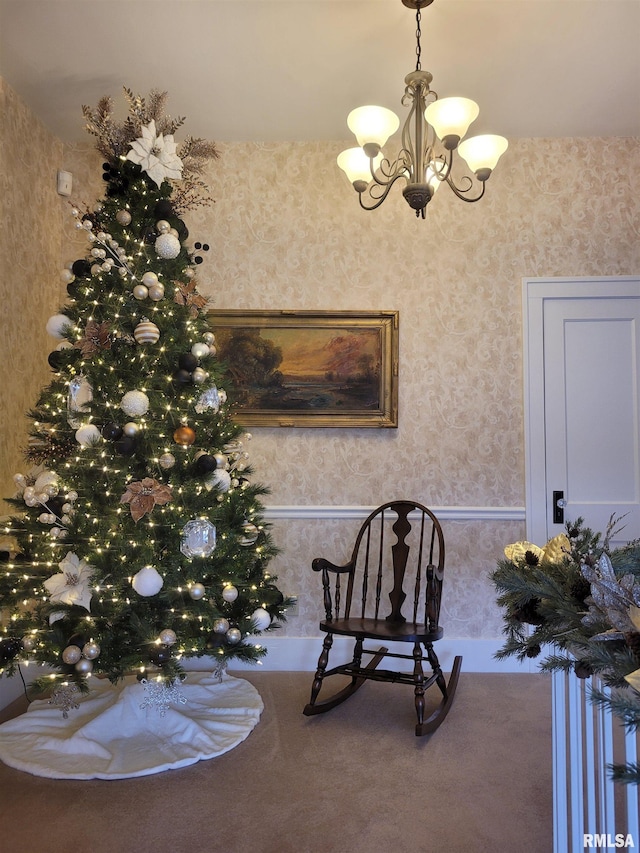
298 369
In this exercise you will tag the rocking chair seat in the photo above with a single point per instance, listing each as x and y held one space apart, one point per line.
397 560
380 629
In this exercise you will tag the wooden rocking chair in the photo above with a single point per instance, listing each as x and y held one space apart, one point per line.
387 555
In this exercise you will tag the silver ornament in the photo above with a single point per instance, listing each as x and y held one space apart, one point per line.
167 460
197 591
71 654
140 292
131 429
156 292
229 593
233 636
220 626
200 350
90 650
123 217
168 637
84 666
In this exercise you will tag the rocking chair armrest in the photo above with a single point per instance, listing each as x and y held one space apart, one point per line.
320 564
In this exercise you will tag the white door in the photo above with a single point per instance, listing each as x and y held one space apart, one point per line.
582 404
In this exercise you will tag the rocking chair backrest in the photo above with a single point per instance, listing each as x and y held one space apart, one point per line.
396 568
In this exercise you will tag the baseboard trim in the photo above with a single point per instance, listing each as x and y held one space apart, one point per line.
444 513
301 654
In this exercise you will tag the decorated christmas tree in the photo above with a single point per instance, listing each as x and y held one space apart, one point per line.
578 600
140 539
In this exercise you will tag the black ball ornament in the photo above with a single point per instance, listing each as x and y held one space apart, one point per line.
55 360
55 505
159 655
77 639
163 209
111 432
149 234
9 648
125 446
81 268
5 556
205 464
183 231
188 361
182 377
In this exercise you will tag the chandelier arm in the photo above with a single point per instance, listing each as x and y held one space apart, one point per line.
390 170
460 192
385 193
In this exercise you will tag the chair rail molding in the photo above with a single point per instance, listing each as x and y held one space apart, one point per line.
448 513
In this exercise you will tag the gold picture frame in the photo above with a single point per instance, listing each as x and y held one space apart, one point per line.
310 368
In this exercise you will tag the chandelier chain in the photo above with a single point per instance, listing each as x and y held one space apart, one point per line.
418 34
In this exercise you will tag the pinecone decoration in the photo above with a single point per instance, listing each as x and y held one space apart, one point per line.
583 669
580 589
632 639
528 613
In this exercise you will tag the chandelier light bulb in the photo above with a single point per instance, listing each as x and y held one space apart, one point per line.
372 126
437 171
450 118
481 153
357 166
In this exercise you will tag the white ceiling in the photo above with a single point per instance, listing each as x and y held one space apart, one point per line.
290 70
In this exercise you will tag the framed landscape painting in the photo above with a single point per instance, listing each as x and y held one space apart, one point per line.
310 368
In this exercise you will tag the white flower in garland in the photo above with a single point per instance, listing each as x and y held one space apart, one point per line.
156 155
71 584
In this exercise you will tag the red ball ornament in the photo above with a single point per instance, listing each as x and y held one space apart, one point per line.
184 435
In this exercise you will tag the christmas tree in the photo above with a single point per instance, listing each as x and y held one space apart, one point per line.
140 539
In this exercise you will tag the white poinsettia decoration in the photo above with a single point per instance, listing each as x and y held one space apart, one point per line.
71 584
156 154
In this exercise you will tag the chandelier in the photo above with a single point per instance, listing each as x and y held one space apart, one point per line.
433 130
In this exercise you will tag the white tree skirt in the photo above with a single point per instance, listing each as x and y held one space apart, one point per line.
110 736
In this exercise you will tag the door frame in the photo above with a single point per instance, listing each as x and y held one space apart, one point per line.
534 293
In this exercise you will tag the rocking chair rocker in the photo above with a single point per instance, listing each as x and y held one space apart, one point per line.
379 564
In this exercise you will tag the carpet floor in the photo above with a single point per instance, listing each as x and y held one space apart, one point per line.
354 780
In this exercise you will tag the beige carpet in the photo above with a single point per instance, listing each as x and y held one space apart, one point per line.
354 780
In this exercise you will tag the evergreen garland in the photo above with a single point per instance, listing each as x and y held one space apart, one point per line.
580 598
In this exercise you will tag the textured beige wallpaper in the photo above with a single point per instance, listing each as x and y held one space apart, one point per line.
286 232
30 286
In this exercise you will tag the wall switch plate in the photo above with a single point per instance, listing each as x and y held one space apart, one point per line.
65 182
